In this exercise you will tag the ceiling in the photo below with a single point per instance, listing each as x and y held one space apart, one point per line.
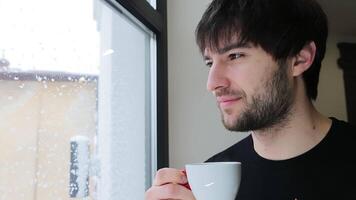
341 16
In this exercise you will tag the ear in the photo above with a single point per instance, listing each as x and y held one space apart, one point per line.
304 59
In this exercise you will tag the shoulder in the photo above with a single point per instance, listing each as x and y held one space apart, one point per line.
236 152
342 136
343 128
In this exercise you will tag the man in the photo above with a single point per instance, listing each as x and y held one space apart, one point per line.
264 58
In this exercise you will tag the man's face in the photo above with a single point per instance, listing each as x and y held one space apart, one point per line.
253 92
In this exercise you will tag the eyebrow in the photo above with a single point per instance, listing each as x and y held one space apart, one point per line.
233 46
230 47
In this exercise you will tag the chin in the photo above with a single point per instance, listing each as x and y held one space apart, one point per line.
233 123
230 118
229 122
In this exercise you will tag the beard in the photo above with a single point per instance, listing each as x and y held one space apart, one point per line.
267 109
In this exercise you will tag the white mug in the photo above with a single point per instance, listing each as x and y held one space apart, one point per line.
214 180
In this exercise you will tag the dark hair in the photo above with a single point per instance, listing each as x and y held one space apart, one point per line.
280 27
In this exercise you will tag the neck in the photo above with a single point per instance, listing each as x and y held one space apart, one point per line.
303 130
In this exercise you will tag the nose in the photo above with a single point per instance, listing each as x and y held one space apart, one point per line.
217 78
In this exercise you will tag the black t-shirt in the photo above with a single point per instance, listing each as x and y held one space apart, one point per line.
327 171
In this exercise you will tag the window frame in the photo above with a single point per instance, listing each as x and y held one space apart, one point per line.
156 21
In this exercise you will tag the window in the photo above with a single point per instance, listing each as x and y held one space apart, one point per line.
35 35
127 114
152 3
94 77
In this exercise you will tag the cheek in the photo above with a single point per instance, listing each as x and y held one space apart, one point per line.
250 82
260 78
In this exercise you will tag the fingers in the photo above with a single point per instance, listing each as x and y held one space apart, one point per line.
169 191
169 184
169 175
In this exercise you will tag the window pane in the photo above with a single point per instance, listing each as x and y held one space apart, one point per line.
89 72
48 81
125 105
37 35
152 3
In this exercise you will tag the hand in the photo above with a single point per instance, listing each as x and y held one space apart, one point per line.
169 184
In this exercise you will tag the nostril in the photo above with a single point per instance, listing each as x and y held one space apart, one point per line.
216 83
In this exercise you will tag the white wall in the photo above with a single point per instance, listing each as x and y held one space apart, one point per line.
195 128
331 99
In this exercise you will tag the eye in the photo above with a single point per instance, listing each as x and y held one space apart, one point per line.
208 63
234 56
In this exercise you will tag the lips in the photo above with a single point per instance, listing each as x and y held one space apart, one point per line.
227 100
